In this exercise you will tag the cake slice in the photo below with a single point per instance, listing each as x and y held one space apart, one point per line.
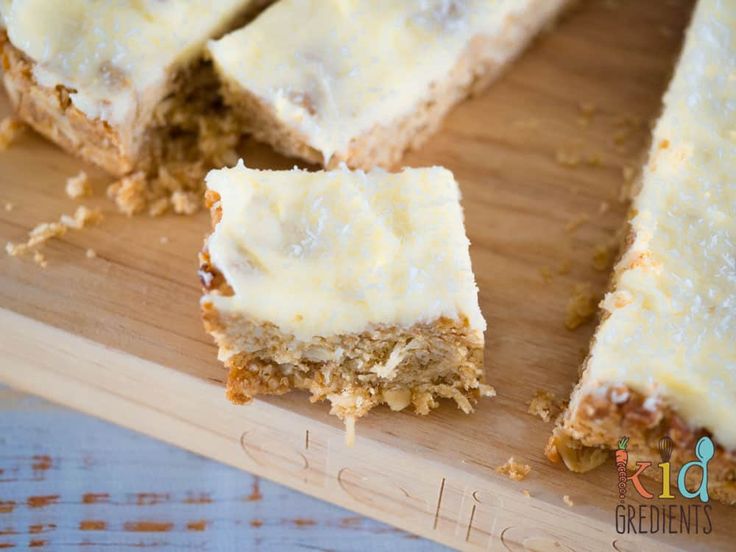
663 360
362 81
97 77
354 286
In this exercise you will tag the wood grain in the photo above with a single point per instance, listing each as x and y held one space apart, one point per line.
118 336
69 481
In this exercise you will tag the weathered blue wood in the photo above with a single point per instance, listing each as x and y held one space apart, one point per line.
68 480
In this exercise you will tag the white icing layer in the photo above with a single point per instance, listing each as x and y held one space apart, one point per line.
329 253
672 328
112 52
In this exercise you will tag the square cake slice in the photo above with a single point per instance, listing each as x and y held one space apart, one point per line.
662 366
362 81
95 77
354 286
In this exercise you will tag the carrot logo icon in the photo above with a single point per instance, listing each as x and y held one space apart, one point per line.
622 459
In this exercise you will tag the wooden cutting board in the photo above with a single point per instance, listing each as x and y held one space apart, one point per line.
540 158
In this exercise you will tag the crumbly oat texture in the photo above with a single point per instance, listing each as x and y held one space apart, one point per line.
368 345
662 361
514 470
543 404
353 87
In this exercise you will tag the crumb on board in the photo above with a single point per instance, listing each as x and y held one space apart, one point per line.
82 217
45 231
603 256
11 128
90 253
568 501
163 240
526 493
544 404
587 109
576 222
159 206
39 259
567 157
129 193
9 206
546 273
349 431
551 452
185 203
630 175
603 207
594 160
78 186
514 470
564 267
580 307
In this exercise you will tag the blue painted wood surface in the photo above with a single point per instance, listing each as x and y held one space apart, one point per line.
69 481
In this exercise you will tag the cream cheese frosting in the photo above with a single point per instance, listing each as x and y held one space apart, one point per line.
333 69
112 52
330 253
671 333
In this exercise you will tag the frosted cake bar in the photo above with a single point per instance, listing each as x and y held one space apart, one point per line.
663 360
354 286
362 81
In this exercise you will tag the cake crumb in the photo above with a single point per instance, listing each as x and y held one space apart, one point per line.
163 240
567 157
39 259
603 256
159 207
526 493
564 267
78 186
630 174
349 431
9 206
568 501
91 253
514 470
543 404
546 273
581 306
576 222
82 217
185 203
587 109
551 452
603 207
129 193
594 160
11 128
46 231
